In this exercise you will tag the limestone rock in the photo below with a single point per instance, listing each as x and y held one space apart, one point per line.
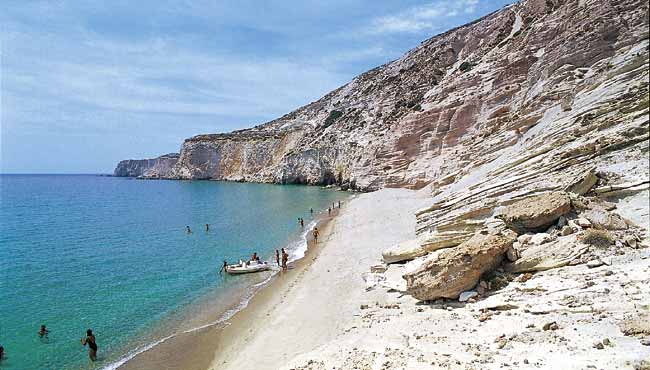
547 256
583 183
603 219
449 272
160 167
465 296
537 212
404 251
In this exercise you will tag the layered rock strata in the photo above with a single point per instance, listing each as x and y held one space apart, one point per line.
160 167
521 86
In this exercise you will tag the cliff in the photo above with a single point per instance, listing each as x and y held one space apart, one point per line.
149 168
532 74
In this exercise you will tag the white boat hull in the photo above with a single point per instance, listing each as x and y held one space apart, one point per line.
238 269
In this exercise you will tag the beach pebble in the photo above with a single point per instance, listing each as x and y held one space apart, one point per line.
550 326
595 263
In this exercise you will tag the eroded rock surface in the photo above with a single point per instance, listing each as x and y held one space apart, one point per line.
160 167
537 212
449 272
520 93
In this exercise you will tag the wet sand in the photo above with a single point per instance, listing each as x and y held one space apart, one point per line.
196 350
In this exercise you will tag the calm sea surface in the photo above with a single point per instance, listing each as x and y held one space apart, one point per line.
112 254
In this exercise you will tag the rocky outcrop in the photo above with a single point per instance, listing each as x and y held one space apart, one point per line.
536 213
449 272
516 94
404 251
160 167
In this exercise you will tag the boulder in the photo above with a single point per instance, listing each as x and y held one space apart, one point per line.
583 183
548 256
600 218
536 213
404 251
449 272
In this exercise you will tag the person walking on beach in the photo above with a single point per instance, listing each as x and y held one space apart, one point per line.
285 259
339 204
315 233
42 332
187 228
277 257
92 345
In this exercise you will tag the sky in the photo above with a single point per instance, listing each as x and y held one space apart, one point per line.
85 84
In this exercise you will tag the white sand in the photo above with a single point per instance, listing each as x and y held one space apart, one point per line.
315 321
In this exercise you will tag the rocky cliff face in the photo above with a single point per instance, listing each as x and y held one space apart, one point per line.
149 168
543 84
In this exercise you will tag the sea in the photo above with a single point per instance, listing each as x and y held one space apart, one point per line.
113 255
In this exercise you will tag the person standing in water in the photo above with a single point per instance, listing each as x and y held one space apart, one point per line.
302 222
277 257
92 345
311 210
285 259
42 332
207 227
224 267
187 228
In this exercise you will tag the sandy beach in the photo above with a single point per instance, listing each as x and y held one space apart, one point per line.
321 314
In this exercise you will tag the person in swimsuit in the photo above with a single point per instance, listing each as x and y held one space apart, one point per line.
311 210
315 233
207 228
277 257
302 222
285 259
224 267
42 332
92 344
187 228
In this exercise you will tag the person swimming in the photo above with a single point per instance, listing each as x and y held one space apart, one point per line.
207 227
92 344
42 332
187 228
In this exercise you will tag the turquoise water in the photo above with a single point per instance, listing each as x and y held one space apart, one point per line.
112 254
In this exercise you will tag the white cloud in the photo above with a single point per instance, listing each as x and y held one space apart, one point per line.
422 18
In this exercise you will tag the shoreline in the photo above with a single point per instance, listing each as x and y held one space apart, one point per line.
194 349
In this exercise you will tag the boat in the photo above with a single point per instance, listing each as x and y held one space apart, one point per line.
247 267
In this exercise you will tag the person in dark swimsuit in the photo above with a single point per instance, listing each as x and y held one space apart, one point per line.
285 259
224 267
277 257
207 227
42 332
187 228
92 344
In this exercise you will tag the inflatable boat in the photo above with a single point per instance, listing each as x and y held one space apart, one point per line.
247 267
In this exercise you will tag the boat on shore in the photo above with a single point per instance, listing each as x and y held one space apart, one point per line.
247 267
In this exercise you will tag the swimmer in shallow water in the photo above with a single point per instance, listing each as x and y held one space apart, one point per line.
187 228
92 345
42 332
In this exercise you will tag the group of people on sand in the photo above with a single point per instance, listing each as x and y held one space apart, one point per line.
89 340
